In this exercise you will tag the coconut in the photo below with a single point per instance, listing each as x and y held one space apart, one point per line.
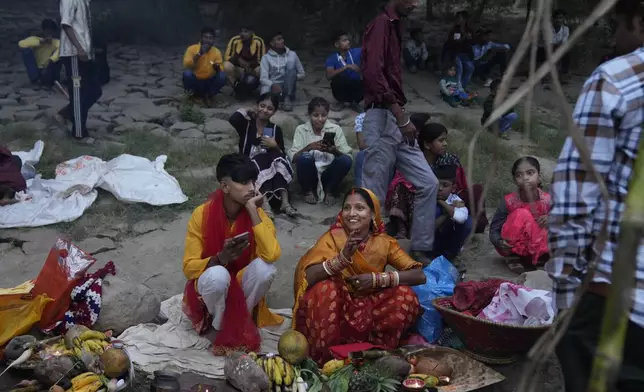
115 362
293 347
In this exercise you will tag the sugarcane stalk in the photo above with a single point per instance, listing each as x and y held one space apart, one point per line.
610 347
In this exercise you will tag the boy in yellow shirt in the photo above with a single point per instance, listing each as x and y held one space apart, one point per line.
40 55
203 76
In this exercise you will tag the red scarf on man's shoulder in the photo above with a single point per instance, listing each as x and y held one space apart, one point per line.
238 330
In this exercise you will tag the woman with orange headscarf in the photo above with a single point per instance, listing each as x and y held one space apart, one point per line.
342 292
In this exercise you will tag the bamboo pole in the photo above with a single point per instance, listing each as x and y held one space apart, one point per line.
618 304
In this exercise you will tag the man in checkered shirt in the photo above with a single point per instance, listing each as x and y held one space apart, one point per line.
610 114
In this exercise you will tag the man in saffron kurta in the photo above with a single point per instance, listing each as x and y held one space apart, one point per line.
230 249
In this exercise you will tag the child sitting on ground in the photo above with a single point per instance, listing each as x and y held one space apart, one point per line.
520 224
505 122
451 89
453 221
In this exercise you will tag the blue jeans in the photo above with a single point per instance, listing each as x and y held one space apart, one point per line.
451 236
203 87
464 69
46 76
358 167
307 173
506 121
289 85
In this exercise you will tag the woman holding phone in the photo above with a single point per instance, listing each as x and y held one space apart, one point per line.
263 142
321 154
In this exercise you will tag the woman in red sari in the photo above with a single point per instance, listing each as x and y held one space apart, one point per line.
520 224
342 292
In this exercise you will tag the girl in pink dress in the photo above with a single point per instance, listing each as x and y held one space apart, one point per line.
520 224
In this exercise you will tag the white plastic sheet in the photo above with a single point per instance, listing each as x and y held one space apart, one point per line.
45 204
137 180
518 305
31 157
129 178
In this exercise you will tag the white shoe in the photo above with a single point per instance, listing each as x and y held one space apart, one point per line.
488 83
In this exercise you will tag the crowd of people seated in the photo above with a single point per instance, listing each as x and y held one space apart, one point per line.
354 284
343 291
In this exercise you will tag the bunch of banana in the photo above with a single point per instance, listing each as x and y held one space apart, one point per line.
86 382
61 349
279 372
91 341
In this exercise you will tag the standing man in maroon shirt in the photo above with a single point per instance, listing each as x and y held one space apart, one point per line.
387 130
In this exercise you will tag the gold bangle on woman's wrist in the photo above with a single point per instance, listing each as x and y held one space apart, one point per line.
373 280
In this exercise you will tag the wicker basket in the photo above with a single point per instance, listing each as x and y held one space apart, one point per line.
487 341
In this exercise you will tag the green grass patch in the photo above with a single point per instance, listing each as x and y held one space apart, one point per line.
492 158
548 140
189 112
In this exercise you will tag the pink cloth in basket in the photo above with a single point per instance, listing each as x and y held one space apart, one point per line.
518 305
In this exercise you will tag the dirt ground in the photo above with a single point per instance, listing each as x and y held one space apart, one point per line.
146 244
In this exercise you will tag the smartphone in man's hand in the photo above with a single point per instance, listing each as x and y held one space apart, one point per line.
241 237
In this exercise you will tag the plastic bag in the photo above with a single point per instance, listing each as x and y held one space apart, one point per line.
19 310
441 279
66 264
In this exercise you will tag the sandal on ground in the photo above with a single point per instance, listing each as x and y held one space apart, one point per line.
289 211
309 198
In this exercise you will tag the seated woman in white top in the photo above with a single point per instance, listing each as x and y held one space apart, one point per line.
321 154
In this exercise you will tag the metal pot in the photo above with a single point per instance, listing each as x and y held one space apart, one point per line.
165 381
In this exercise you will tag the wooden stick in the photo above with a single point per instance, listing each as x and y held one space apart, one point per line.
61 89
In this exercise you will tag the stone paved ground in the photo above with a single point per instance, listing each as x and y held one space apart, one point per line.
145 96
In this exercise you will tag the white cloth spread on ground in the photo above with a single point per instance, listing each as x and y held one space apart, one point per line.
63 199
175 345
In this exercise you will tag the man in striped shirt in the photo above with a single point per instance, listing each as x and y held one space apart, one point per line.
610 114
76 54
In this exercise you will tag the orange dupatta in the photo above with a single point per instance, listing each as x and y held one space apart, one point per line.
372 256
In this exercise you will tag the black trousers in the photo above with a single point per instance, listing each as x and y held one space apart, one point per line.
84 90
577 348
345 89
